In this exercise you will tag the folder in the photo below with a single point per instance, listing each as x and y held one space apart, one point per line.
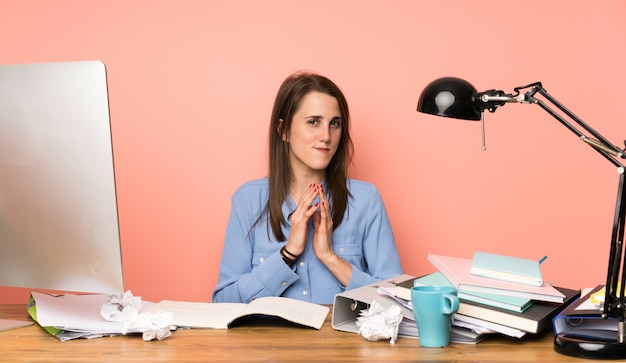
583 319
348 304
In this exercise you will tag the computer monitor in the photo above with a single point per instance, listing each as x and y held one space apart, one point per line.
58 210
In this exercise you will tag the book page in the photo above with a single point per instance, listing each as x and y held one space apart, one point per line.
220 315
297 311
201 315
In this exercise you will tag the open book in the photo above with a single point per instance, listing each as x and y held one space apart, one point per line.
222 315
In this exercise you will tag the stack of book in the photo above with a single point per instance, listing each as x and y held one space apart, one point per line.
492 300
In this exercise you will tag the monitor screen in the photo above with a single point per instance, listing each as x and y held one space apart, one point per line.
58 209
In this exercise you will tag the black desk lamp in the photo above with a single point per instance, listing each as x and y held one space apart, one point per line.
456 98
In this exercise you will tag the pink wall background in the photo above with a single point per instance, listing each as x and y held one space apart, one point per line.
192 82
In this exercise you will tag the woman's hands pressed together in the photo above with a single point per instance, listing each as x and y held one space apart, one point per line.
299 220
323 228
322 232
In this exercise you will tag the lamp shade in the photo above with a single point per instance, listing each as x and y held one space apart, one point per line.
449 97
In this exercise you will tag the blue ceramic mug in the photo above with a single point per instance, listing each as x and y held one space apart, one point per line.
433 307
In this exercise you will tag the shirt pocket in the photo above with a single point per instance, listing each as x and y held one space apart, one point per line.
353 253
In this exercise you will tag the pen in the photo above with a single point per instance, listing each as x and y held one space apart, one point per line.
543 259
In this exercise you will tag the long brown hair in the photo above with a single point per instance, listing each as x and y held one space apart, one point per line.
287 101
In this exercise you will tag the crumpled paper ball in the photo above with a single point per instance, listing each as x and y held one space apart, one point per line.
125 308
378 323
121 307
152 326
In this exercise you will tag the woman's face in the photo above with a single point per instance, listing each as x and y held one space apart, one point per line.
315 133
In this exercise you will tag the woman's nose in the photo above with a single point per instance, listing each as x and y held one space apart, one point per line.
324 133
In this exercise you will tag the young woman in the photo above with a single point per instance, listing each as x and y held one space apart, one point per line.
306 231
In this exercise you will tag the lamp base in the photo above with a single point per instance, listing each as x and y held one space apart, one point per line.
590 348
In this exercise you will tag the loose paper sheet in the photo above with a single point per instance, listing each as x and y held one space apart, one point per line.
8 324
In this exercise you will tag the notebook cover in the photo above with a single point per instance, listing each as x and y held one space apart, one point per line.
507 268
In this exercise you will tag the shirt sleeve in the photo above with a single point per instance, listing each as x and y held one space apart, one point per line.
379 247
239 279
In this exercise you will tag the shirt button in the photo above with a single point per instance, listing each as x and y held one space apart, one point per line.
305 292
261 259
302 263
341 250
284 284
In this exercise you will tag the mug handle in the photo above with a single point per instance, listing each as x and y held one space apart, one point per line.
450 304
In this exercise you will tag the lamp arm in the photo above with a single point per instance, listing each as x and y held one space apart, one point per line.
614 298
601 144
492 99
